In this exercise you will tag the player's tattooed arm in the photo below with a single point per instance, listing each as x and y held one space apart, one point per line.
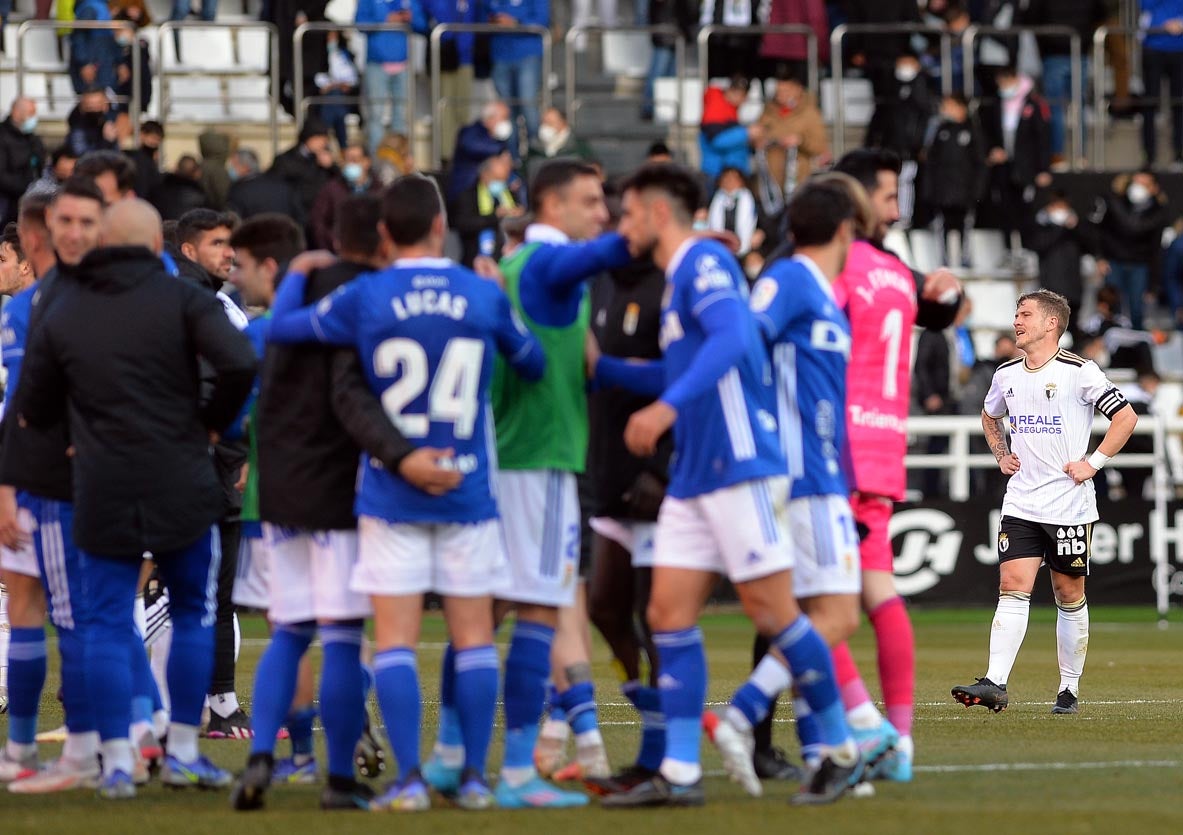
1008 462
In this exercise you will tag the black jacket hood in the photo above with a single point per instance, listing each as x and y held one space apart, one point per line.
113 269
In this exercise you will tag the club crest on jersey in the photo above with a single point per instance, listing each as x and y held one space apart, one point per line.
1003 542
1049 391
763 294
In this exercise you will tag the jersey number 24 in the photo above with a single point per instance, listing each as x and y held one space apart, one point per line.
453 396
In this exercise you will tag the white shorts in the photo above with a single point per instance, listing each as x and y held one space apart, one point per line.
540 514
310 573
825 545
252 582
634 537
457 560
24 559
740 531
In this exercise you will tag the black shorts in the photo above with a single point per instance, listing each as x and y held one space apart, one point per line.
1065 549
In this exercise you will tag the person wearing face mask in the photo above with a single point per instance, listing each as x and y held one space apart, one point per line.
900 123
477 213
91 124
1131 218
353 178
127 41
1017 131
22 156
146 158
555 139
1061 238
475 143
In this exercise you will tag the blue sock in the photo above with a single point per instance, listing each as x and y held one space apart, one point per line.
145 693
647 700
809 734
683 695
450 732
526 669
299 725
342 695
812 667
79 707
579 704
26 677
554 704
751 702
396 674
476 702
275 682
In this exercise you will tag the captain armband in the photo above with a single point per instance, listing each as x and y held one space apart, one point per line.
1111 402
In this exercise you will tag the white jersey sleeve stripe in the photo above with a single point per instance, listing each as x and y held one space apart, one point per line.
735 415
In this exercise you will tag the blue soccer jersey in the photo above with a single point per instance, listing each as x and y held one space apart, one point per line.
426 331
810 345
717 375
14 333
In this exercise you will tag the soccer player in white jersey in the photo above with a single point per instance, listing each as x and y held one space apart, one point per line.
1050 506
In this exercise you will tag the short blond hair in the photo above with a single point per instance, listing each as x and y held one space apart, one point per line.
1050 304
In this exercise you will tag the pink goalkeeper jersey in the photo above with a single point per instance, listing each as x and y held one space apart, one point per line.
878 293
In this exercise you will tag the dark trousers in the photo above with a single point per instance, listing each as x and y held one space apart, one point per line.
230 533
1158 67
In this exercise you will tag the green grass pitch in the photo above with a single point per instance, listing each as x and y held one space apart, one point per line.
1117 767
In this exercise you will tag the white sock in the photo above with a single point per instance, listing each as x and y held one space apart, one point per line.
1072 642
182 742
19 751
1006 635
160 724
555 729
224 704
681 773
589 739
771 676
518 775
736 717
138 729
864 717
451 756
905 746
159 663
117 756
81 747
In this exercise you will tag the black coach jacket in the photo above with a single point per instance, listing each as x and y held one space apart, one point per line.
118 354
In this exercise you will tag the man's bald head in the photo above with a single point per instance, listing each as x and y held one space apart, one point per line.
22 109
133 223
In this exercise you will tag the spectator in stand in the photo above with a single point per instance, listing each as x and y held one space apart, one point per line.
478 211
146 158
1162 61
339 81
658 152
22 156
1131 218
787 54
393 159
901 123
353 178
180 190
57 171
91 124
517 61
555 139
1060 240
875 54
733 209
127 41
456 61
1172 276
722 139
956 20
183 8
307 166
954 173
680 13
254 193
731 54
1017 134
93 52
215 147
287 15
387 66
791 128
1083 16
1107 315
484 138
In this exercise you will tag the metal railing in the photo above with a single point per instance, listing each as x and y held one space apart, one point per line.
959 461
573 103
707 32
1076 96
1102 34
132 101
437 90
838 140
302 102
173 29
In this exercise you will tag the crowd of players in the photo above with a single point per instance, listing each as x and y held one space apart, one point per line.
755 433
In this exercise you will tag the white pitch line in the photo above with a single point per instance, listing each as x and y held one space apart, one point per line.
980 767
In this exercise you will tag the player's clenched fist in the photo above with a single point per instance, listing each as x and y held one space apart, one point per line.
1081 471
1009 464
646 427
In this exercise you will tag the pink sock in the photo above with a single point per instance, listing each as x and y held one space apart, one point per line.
850 683
897 661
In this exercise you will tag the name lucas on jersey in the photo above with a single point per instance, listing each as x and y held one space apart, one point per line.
429 302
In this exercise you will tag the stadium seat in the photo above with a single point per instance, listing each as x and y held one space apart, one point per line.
626 53
897 242
247 99
986 249
61 97
8 86
194 98
994 303
858 101
41 51
207 49
926 250
665 93
36 87
254 50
